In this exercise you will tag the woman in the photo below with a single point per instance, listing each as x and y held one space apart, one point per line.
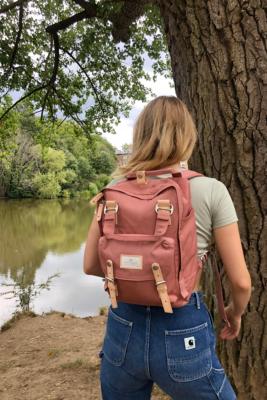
164 135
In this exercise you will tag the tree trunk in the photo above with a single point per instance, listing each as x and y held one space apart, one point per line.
219 61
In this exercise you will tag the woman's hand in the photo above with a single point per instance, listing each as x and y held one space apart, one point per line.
228 243
232 331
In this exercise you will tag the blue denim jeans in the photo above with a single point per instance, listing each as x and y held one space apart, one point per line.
144 345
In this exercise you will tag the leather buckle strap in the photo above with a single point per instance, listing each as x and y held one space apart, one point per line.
110 216
164 205
112 287
141 177
162 288
164 210
96 198
218 283
218 289
111 206
99 212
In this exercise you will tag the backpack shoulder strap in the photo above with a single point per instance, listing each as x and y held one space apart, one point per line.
218 287
189 174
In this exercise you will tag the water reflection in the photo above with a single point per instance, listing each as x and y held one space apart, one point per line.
43 237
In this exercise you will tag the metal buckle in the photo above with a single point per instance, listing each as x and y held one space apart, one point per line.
160 282
109 279
204 256
115 209
157 208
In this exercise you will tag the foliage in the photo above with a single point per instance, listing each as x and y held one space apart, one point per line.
92 69
24 293
51 160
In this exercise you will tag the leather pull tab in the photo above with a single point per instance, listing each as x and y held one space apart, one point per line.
96 198
112 287
141 177
162 288
99 212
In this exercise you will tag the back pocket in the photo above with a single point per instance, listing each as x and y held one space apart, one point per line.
188 353
116 340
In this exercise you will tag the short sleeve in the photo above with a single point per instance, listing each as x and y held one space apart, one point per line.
222 208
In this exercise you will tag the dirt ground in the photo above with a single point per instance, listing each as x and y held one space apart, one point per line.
53 356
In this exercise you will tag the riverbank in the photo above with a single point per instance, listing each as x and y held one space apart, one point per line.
52 356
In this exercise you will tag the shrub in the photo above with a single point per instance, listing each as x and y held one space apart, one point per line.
47 185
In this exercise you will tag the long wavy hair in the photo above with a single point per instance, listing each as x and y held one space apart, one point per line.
164 134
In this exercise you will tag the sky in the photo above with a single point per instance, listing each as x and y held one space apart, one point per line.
124 130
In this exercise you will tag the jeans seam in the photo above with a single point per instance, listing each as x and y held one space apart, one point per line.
119 319
146 355
221 388
178 332
211 384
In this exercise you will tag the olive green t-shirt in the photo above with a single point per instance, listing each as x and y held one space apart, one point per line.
213 208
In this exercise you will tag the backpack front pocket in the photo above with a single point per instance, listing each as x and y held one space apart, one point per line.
188 353
132 257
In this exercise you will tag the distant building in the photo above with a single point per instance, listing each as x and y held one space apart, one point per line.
122 157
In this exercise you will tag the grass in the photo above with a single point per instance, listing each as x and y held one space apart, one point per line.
53 353
90 364
51 312
18 315
77 364
103 311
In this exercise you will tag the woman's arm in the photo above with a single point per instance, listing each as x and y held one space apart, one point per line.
228 243
91 264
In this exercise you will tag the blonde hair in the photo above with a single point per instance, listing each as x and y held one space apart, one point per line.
164 134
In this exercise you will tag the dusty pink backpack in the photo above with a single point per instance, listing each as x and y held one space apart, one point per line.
148 243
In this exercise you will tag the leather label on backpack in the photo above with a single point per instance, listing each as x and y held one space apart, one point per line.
131 261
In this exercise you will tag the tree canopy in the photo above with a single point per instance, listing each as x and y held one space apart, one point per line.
79 59
48 160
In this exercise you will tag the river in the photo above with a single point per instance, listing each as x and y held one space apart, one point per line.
40 238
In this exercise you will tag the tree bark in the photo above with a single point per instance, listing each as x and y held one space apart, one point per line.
219 61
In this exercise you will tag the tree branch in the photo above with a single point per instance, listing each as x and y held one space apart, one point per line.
65 23
53 77
62 101
85 5
10 6
87 76
16 46
130 12
21 99
49 53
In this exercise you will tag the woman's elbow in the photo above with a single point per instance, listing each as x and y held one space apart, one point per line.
243 284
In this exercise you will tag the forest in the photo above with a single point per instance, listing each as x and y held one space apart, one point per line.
51 159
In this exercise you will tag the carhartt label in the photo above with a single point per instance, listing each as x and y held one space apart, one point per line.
131 262
190 343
